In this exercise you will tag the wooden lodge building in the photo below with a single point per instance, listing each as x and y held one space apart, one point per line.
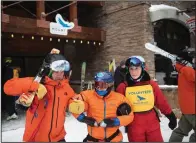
103 31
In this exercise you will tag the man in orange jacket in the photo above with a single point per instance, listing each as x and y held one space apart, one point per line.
46 115
186 97
106 110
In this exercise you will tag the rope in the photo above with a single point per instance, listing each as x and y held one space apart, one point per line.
27 10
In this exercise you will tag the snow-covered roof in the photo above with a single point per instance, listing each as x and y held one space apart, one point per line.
161 6
158 12
168 86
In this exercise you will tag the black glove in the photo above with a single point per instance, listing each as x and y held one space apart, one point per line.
88 120
181 61
172 120
123 109
110 122
45 67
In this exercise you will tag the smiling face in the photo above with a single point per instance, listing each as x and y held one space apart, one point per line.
135 72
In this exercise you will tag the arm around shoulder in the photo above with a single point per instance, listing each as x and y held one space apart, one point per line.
124 112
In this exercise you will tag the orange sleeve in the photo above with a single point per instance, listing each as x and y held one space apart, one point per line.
70 91
126 119
17 86
188 72
178 67
80 97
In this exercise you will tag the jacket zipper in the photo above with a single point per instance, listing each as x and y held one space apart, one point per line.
57 112
34 114
52 115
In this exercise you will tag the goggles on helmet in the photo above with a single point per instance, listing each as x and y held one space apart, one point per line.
60 65
135 62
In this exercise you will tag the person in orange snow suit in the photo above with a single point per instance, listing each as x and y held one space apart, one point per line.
45 117
106 110
144 94
186 98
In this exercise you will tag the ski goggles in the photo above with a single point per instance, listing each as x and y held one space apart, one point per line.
60 65
134 62
101 85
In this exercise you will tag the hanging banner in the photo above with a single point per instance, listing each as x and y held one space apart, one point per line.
61 26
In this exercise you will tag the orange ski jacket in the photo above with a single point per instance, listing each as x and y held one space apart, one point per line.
45 118
186 89
100 108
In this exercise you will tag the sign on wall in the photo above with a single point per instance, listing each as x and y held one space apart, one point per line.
61 26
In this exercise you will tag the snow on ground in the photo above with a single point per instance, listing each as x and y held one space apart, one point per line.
76 131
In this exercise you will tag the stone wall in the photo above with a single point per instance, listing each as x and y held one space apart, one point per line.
127 28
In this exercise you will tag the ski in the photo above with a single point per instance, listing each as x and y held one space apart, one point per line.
162 52
83 72
39 75
112 66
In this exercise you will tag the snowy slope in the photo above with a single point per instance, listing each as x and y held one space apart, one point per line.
76 131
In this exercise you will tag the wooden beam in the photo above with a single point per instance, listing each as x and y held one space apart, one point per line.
73 13
39 27
40 9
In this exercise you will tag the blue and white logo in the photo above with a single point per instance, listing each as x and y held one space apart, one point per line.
61 26
140 98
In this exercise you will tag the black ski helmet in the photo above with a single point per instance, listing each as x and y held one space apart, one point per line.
57 62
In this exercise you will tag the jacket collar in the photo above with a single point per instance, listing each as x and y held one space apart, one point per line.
145 80
102 97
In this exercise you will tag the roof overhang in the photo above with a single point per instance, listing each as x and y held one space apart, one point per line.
29 26
160 12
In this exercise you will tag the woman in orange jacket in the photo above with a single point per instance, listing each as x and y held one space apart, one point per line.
46 115
106 110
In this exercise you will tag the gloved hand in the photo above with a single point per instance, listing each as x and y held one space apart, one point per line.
109 122
26 99
44 69
181 61
76 107
41 91
123 109
172 120
88 120
54 51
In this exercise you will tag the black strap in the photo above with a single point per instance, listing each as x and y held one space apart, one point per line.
90 138
112 136
157 114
